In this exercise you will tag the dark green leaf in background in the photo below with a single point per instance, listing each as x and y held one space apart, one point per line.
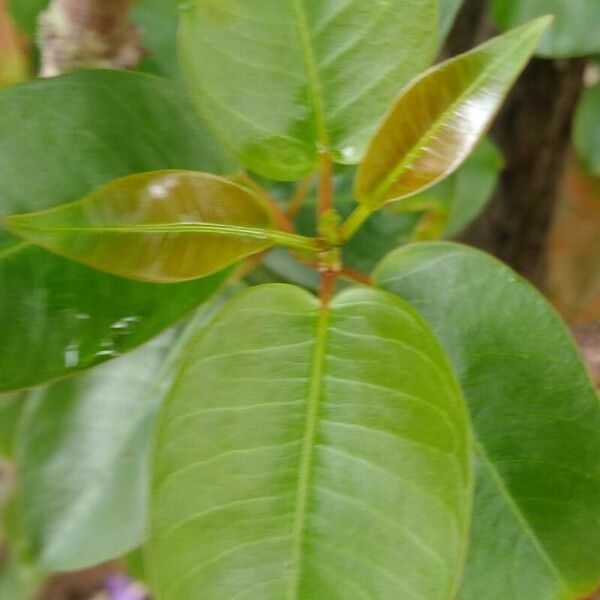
11 406
60 139
158 20
25 13
83 454
575 31
587 129
309 453
536 416
283 81
82 458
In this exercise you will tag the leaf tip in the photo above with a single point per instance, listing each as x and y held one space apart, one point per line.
539 26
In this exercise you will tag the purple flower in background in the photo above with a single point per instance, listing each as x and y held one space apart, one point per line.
120 587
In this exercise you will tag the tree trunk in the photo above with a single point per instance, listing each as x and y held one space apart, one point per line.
533 131
77 34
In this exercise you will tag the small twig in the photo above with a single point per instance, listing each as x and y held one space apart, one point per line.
283 222
327 287
299 196
355 276
325 199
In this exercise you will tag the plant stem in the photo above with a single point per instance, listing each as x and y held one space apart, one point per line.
299 196
355 276
325 208
294 241
355 221
325 200
283 222
327 288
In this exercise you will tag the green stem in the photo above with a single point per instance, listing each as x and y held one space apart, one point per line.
355 221
294 241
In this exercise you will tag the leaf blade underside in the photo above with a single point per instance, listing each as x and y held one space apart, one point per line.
535 415
326 453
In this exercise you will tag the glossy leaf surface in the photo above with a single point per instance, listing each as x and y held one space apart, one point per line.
311 454
162 227
57 316
536 416
587 129
462 196
82 458
575 32
438 120
283 81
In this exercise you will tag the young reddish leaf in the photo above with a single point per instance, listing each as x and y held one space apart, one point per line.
440 117
163 226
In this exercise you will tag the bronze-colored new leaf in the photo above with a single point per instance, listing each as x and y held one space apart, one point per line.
438 120
162 226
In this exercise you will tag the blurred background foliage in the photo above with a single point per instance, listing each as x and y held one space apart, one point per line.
530 194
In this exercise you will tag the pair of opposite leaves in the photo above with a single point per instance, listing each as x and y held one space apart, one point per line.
175 225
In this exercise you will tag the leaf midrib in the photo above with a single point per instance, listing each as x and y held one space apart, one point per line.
436 125
13 249
261 234
312 73
518 514
307 454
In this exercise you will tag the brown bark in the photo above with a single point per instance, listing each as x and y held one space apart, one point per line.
76 34
533 130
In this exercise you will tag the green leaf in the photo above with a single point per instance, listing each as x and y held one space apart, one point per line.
311 453
16 582
536 416
163 227
158 20
587 129
472 187
11 406
441 116
25 13
83 450
56 316
462 196
282 82
82 458
575 32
